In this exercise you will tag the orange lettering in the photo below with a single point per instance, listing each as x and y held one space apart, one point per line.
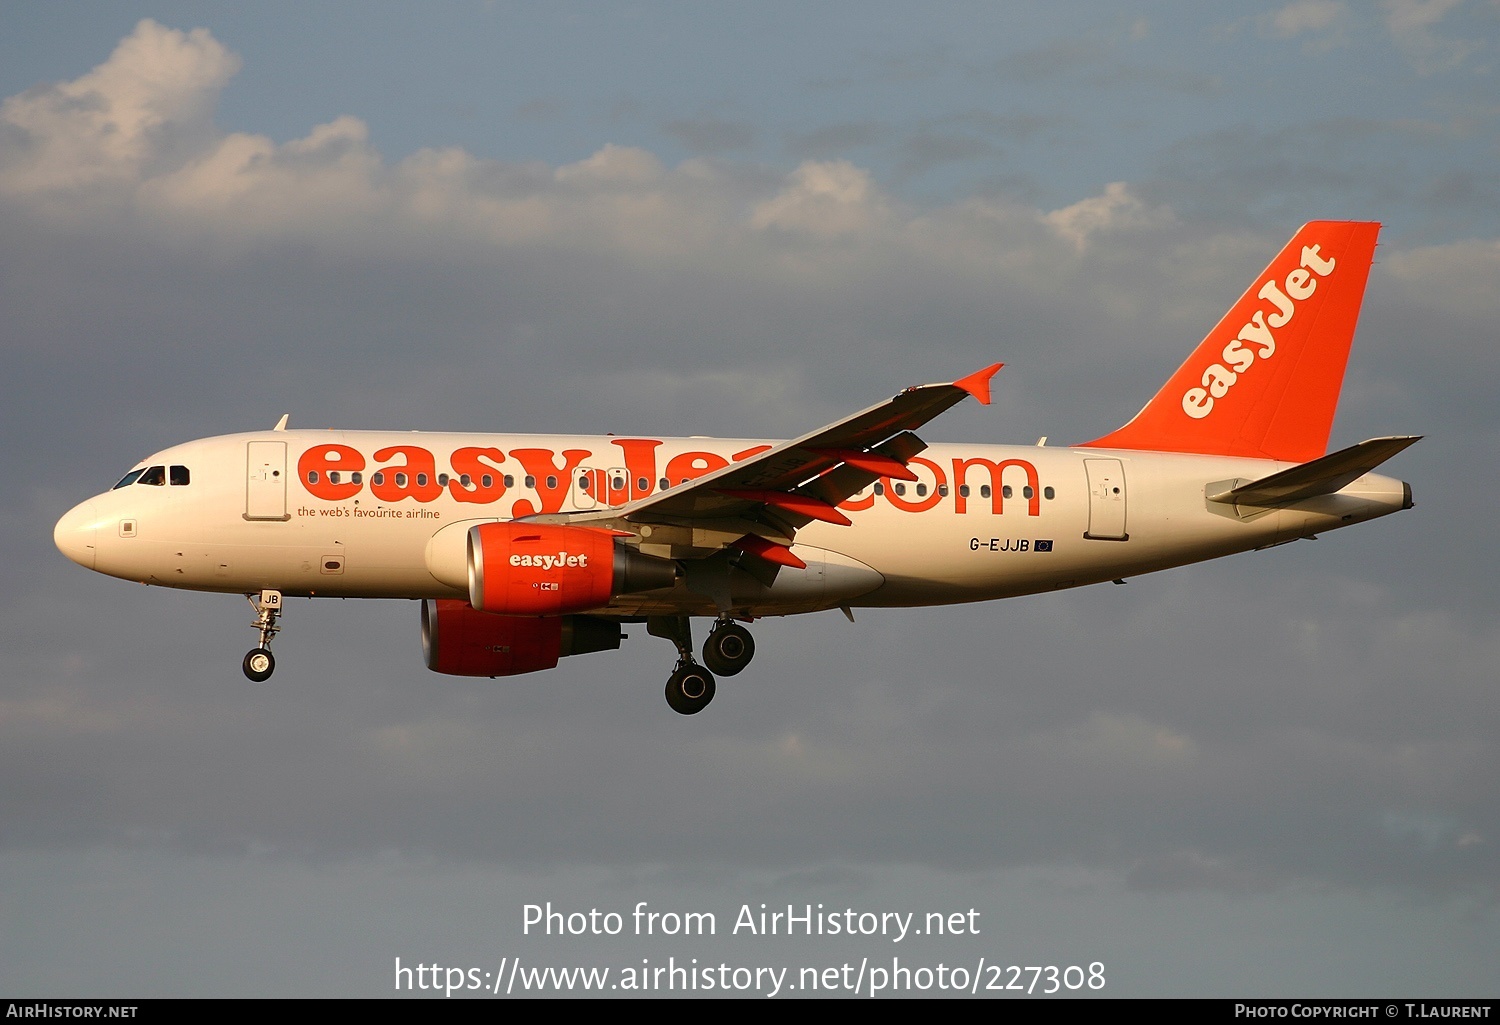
539 464
466 461
416 478
997 489
321 460
691 465
921 504
640 465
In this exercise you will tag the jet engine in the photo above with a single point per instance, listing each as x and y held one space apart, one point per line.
539 569
460 641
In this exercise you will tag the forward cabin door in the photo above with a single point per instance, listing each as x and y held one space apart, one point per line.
265 481
1106 499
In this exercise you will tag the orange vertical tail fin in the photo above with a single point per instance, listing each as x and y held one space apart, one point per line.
1266 380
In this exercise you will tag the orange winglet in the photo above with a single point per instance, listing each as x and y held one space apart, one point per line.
876 463
768 550
977 384
806 505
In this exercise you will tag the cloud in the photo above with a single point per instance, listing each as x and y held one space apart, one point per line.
1117 210
824 199
1306 16
150 100
1413 26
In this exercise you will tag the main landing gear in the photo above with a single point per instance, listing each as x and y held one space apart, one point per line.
259 663
727 650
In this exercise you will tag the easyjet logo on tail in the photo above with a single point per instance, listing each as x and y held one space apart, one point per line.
1257 339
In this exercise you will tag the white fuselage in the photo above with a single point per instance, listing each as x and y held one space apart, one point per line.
385 515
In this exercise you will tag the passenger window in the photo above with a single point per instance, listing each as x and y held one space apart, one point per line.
356 477
333 476
665 484
1026 492
963 489
312 476
1049 494
487 481
156 476
378 477
510 481
1006 491
551 481
921 490
179 476
530 481
984 491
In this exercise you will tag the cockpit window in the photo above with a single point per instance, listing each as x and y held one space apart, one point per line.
129 479
155 476
179 476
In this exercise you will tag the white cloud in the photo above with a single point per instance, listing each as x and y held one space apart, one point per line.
1118 209
153 95
824 199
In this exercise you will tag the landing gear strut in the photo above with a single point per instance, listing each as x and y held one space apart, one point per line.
728 648
259 663
690 687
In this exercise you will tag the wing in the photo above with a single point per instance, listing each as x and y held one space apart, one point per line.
756 505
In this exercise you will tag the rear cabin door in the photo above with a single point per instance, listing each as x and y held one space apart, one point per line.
1106 499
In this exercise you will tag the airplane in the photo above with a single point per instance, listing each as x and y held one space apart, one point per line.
524 549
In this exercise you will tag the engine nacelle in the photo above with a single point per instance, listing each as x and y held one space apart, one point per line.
542 569
460 641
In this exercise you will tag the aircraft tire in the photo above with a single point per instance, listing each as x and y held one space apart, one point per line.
728 649
689 689
259 664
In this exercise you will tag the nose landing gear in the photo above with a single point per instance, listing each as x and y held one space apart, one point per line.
259 663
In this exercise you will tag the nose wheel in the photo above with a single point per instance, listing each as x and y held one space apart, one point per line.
259 663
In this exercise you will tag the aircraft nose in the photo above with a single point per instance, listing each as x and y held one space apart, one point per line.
74 534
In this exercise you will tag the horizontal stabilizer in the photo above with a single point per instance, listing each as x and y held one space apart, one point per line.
1323 476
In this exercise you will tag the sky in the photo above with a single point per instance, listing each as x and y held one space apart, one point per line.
1271 775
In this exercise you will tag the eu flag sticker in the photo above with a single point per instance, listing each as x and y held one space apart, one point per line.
1042 546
